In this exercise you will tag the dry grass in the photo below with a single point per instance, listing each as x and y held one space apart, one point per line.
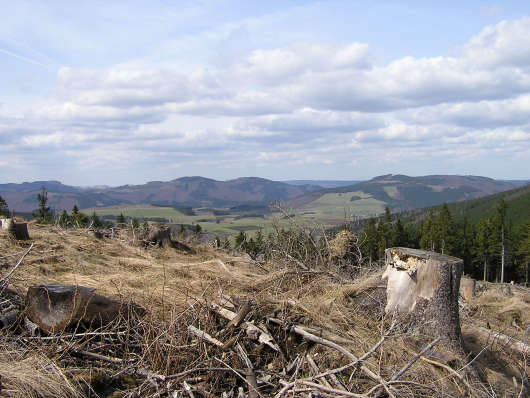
165 280
29 376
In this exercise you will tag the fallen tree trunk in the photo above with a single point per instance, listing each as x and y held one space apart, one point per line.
504 340
425 286
55 307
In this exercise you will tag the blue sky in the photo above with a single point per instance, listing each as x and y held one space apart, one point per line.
128 92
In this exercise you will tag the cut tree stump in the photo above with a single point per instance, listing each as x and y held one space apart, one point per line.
425 286
55 307
467 288
17 230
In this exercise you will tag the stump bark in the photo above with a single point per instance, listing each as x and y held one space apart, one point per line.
55 307
425 286
18 231
160 237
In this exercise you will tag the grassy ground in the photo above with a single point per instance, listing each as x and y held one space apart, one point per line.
164 281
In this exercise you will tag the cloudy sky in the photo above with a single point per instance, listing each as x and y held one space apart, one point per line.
129 92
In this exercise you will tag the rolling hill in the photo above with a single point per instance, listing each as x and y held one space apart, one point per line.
400 192
186 191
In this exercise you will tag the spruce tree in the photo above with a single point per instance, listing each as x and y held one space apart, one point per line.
4 210
64 219
370 240
120 220
445 231
95 221
44 214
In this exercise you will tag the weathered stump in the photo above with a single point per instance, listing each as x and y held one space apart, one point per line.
467 288
55 307
18 231
160 237
425 286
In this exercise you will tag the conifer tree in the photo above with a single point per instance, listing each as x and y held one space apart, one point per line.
44 214
399 235
370 240
500 224
64 219
120 220
4 210
483 245
95 221
445 231
428 233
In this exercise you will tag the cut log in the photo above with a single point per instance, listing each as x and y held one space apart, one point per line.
15 229
55 307
425 286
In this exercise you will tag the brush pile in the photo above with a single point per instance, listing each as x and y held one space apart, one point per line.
214 324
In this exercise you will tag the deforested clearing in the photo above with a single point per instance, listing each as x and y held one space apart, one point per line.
219 323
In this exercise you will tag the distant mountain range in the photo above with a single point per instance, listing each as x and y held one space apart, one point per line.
185 191
323 183
399 192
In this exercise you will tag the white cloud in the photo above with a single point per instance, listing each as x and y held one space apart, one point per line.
303 103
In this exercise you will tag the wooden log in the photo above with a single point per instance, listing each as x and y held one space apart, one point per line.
425 286
56 307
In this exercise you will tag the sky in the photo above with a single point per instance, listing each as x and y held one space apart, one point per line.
126 92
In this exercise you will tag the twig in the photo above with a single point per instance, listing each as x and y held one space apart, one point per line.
408 365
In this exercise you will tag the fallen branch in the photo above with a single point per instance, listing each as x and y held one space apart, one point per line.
413 361
204 336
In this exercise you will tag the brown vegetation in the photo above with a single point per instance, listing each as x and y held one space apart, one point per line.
221 323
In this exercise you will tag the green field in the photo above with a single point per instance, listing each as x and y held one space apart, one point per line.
330 209
334 207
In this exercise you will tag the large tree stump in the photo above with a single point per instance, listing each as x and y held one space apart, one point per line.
425 286
55 307
17 230
160 237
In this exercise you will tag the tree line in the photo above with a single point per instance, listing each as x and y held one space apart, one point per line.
491 248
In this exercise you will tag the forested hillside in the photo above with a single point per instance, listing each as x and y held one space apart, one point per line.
491 234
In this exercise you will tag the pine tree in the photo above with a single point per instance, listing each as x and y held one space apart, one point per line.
120 220
197 230
524 249
4 210
95 221
44 214
483 245
64 219
445 231
370 241
500 224
135 223
240 240
399 235
428 233
465 247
